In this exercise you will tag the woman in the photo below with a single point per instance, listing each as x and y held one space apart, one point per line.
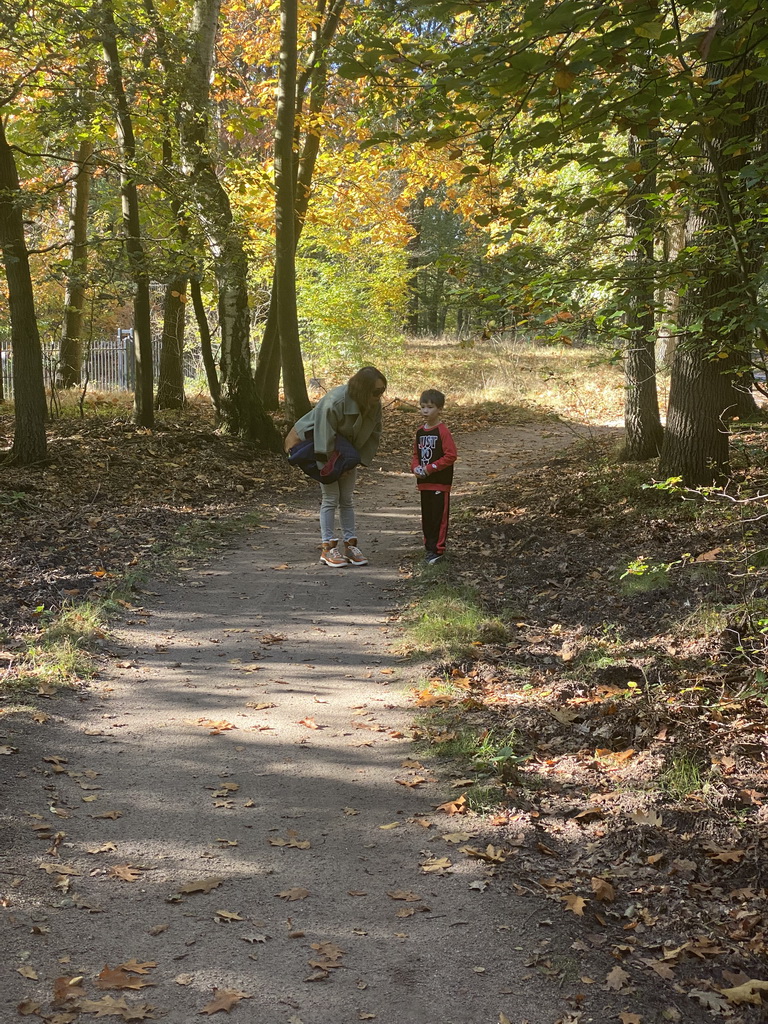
352 410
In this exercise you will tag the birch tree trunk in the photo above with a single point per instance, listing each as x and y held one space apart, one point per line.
71 346
241 409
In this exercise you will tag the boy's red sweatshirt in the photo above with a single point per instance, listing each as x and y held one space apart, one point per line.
435 450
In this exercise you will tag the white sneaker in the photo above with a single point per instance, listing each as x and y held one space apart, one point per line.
354 555
332 556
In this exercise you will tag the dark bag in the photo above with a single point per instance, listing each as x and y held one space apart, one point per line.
343 457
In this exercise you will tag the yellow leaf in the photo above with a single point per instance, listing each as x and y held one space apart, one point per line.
603 890
564 80
575 904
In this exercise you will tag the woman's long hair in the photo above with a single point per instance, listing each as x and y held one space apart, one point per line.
362 385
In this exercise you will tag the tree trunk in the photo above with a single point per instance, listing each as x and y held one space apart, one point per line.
696 438
641 405
415 214
268 365
143 410
294 384
29 441
315 78
720 302
206 349
241 409
170 384
669 298
71 346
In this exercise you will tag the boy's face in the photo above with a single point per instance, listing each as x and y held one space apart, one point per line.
430 412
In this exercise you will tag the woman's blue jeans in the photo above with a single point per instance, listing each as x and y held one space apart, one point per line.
338 495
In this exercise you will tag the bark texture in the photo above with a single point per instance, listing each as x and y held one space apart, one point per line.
29 440
71 347
643 429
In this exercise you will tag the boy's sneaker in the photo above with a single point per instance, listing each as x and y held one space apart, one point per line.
432 558
353 553
332 556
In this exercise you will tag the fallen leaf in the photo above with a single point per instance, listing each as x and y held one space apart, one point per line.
725 856
66 988
575 904
590 814
224 1000
491 854
112 815
125 872
135 967
403 894
228 915
616 979
28 972
457 837
104 848
310 723
297 893
435 864
203 885
458 806
292 843
28 1007
411 783
646 818
260 705
749 992
392 824
630 1018
59 869
116 978
603 890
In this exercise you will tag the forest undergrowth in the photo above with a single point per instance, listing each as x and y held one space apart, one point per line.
604 704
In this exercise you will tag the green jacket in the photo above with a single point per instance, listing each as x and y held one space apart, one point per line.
337 413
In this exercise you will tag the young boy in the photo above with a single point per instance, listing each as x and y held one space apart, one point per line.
434 454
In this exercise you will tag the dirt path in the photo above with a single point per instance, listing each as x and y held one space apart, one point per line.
249 741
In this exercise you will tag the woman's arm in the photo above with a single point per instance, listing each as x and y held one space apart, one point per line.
326 424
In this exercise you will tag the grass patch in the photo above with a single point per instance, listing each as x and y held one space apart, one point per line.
555 380
449 620
484 799
683 776
61 653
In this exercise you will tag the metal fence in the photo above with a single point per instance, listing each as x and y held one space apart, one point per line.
108 364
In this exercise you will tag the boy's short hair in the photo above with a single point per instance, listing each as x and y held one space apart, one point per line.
434 396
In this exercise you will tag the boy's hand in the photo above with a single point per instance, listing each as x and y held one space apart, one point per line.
420 471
